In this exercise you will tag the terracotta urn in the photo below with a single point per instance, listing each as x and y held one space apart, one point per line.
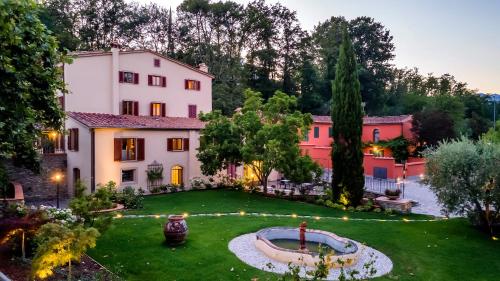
175 230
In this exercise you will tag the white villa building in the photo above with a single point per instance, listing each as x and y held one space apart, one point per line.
128 111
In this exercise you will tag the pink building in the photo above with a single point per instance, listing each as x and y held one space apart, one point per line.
378 162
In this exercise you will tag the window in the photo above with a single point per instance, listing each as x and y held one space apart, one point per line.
177 144
376 135
128 175
157 109
156 62
176 175
306 136
128 149
158 81
73 139
192 85
192 111
330 132
130 108
61 101
128 77
316 132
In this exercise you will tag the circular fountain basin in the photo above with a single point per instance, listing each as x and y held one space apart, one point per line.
277 243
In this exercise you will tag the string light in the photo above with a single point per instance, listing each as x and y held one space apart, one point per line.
243 213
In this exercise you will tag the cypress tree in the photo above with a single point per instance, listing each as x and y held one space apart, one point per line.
347 118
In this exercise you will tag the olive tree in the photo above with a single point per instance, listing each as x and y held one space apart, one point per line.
466 180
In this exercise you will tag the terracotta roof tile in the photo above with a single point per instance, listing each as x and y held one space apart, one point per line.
102 120
368 119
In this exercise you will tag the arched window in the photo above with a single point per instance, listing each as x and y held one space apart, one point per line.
176 175
376 135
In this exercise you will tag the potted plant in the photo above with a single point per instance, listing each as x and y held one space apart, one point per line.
392 194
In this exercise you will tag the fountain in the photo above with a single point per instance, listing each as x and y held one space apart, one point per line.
301 246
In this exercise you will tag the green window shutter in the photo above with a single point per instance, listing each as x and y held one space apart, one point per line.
330 132
316 132
306 136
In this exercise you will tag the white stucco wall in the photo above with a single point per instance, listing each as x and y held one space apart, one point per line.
90 81
78 159
155 150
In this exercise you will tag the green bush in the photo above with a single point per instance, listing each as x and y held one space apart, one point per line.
377 210
130 198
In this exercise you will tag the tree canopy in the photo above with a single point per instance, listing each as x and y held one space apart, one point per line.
31 77
262 135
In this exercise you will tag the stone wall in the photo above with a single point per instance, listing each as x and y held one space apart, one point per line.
41 186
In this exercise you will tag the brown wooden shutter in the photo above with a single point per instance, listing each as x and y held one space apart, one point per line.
164 81
157 62
136 108
170 144
69 139
118 149
140 149
186 144
120 76
151 105
186 84
62 144
75 136
198 84
163 110
136 78
150 80
124 107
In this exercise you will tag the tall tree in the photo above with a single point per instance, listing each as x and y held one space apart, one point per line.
347 118
262 136
31 77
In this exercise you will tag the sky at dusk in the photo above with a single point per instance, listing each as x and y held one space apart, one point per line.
460 37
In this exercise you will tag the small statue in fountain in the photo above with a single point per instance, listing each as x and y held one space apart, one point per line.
302 237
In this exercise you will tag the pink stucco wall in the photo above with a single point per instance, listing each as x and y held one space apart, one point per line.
319 148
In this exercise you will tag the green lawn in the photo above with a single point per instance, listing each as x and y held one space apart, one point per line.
134 248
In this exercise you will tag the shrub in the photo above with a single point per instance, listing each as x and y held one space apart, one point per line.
466 180
351 209
130 198
320 201
156 189
377 210
360 208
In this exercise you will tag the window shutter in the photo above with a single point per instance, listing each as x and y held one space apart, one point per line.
151 109
120 76
136 78
124 108
75 136
185 84
186 144
150 80
164 81
69 139
192 111
157 62
140 149
163 110
198 84
136 108
118 149
170 144
62 143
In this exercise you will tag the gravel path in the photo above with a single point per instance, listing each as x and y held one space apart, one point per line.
244 248
427 201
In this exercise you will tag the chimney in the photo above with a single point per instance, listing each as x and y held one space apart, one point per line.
115 86
203 67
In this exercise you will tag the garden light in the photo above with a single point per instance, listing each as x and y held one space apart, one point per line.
406 220
185 215
316 218
494 238
218 214
345 218
157 216
118 216
242 213
294 216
